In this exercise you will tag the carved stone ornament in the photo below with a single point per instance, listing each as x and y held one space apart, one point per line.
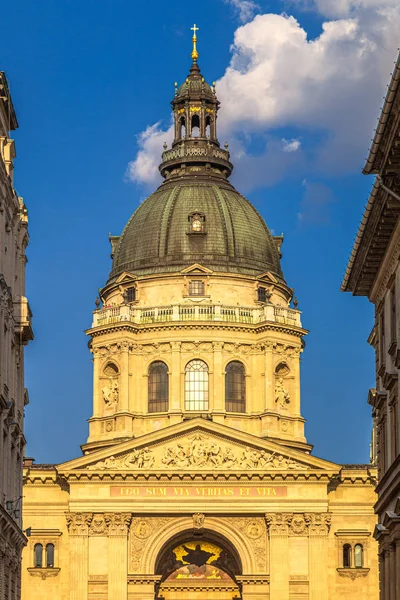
98 525
111 394
255 530
198 521
78 523
353 573
318 523
140 531
44 573
279 523
282 396
200 452
298 525
118 523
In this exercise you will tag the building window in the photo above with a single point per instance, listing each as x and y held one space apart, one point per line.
235 387
196 385
358 556
158 391
50 556
38 550
131 294
262 294
195 126
197 223
196 287
346 556
183 127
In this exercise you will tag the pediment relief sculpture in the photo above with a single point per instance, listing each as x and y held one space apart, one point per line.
200 452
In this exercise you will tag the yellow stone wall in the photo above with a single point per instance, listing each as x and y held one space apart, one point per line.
290 547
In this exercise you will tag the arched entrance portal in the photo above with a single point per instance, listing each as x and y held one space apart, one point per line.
202 567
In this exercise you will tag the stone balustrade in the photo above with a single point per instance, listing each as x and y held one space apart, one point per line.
207 312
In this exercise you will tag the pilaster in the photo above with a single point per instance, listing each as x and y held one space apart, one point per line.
124 378
318 529
269 391
254 587
278 529
176 397
118 527
78 527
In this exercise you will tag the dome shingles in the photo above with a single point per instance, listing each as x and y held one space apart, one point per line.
156 240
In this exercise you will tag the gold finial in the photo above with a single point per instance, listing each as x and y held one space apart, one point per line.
195 54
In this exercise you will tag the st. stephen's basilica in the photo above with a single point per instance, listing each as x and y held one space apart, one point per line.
197 481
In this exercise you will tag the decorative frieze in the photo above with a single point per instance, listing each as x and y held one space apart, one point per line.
254 529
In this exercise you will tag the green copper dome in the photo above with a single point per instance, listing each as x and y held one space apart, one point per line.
196 215
157 238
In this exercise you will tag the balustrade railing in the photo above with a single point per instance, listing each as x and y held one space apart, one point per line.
183 312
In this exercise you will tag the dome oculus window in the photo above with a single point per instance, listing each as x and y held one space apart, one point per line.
197 224
196 287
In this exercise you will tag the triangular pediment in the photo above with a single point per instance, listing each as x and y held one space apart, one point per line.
126 278
267 277
196 268
199 445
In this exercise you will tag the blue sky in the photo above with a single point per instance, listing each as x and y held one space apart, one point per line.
89 79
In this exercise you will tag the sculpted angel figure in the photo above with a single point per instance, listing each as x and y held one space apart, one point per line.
229 458
169 456
111 393
282 396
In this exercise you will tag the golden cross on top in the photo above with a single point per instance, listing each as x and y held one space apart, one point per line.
195 54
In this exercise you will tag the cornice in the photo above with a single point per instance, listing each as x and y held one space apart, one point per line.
204 326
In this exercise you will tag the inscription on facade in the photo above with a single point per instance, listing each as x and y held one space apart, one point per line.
198 491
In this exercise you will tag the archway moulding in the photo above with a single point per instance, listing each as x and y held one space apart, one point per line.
177 526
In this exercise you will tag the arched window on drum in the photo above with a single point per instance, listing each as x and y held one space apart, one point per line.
158 387
235 387
196 385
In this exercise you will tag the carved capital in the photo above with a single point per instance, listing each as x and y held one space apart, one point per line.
279 523
318 523
118 523
78 523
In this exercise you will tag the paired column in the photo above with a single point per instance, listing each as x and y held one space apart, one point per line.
118 528
318 529
78 526
278 528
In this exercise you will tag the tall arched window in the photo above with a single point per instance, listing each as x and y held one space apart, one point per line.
183 127
158 387
208 127
235 387
346 556
38 550
196 385
358 556
50 556
195 126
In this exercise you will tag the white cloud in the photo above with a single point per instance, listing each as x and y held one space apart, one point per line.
245 9
329 88
291 145
144 168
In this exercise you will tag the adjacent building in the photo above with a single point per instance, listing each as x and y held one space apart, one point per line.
15 332
374 271
197 480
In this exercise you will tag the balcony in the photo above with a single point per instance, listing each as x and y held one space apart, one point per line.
183 313
23 319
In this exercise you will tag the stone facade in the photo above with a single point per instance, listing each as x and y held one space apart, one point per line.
197 480
374 271
15 332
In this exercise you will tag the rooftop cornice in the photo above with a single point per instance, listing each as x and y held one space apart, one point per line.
371 166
